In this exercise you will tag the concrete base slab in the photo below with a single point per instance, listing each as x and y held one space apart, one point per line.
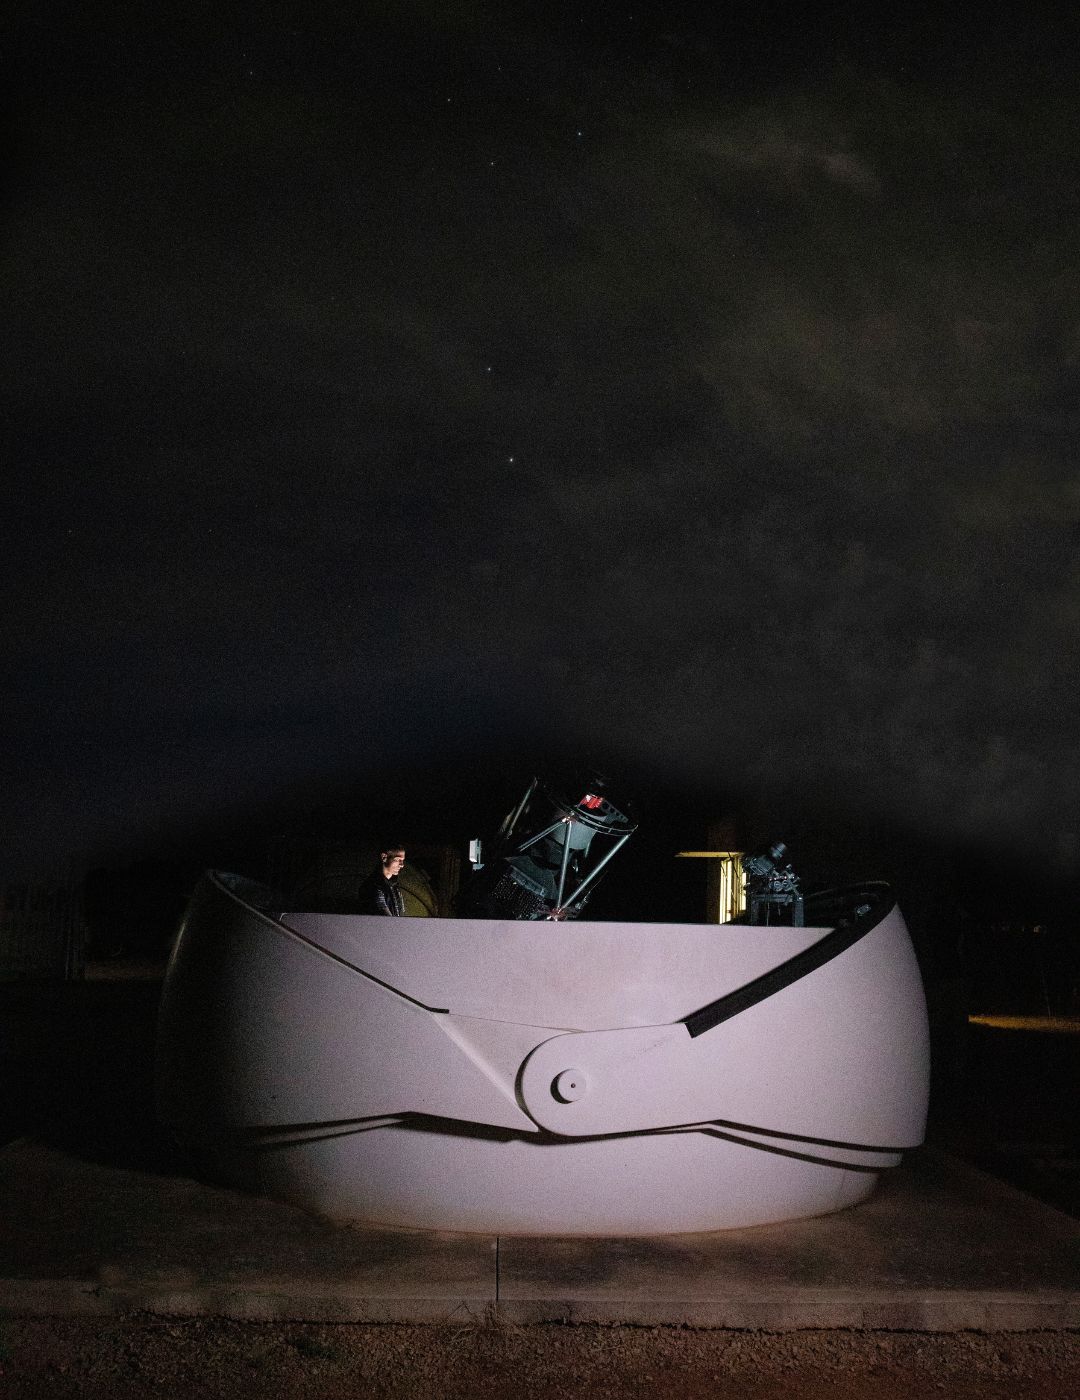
939 1247
77 1237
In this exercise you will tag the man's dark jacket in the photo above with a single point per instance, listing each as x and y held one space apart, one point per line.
378 895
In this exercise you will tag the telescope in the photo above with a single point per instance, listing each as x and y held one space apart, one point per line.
772 888
548 855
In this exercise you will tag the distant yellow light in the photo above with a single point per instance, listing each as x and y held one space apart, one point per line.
1069 1025
707 855
727 892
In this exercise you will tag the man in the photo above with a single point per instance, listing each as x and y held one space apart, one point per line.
379 894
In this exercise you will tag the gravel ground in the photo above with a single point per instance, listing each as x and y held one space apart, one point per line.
203 1359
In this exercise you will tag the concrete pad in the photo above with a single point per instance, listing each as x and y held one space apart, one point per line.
938 1247
77 1237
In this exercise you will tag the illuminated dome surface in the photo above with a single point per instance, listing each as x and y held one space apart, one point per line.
554 1078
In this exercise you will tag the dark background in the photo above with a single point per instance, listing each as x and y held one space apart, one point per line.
400 394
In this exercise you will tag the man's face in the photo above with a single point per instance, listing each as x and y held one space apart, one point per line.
392 861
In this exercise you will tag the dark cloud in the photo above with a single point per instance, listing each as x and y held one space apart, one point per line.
403 386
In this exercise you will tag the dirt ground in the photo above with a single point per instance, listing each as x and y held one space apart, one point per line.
204 1359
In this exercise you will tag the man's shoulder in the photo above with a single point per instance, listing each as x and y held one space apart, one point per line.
375 894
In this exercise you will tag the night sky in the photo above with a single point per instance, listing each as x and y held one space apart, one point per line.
395 393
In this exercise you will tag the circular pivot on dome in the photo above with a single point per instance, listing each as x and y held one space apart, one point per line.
570 1085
